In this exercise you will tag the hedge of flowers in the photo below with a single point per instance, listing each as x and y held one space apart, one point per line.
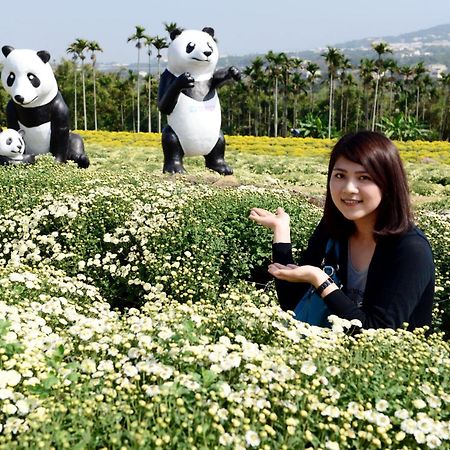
411 150
136 313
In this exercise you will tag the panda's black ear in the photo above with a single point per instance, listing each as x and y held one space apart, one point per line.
209 30
6 50
175 33
44 55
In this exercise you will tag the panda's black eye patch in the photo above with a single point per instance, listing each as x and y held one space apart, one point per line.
10 80
190 47
9 141
34 80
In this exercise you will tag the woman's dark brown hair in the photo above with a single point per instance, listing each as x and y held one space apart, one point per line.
380 157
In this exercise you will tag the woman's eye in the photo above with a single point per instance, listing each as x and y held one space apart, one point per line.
364 178
339 175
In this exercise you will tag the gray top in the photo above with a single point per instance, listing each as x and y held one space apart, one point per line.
356 283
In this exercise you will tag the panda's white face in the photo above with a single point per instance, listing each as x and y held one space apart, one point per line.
28 79
195 52
11 144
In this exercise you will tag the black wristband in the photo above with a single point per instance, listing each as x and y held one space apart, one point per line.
324 285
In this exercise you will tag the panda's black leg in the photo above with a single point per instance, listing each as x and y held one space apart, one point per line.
76 151
215 159
173 152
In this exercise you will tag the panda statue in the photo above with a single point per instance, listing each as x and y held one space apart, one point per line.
12 148
37 107
187 94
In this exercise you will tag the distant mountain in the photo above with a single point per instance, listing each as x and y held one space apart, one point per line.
432 46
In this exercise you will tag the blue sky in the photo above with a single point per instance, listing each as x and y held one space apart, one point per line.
242 27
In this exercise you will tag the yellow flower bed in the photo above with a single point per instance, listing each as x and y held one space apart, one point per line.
438 151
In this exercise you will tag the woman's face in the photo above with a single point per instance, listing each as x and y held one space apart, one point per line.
354 192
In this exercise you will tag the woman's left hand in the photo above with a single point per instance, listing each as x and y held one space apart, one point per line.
298 274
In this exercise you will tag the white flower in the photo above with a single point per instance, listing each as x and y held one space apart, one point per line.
425 424
224 390
252 438
420 437
130 370
331 445
333 370
409 426
9 378
433 441
419 403
9 409
308 368
381 405
23 407
401 414
225 439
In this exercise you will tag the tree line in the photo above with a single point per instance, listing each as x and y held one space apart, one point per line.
278 95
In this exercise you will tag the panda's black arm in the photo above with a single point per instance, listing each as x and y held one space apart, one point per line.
59 140
170 87
11 116
222 76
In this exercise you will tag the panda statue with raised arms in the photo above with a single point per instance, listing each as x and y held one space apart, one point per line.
187 94
38 108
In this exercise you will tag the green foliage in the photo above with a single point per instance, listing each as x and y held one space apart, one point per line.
403 128
312 126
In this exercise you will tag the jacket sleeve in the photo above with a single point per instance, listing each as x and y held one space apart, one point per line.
396 283
290 293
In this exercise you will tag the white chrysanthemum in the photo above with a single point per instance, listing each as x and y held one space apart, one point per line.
331 445
333 370
308 368
409 426
129 370
382 405
433 441
402 414
224 390
252 438
9 378
23 407
419 403
226 439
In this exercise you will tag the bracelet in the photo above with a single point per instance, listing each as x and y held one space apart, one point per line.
324 285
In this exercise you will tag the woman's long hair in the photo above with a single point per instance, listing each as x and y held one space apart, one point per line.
380 157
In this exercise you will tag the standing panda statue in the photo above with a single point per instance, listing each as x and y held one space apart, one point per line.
187 94
12 148
37 107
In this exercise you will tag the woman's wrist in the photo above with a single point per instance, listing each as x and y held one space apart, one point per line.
282 234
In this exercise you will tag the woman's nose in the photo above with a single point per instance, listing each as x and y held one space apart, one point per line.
350 186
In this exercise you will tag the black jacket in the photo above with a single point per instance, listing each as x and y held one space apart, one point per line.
400 280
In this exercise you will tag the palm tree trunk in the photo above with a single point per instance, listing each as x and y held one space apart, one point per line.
149 97
330 106
417 103
374 116
75 95
95 99
84 96
138 87
159 81
275 131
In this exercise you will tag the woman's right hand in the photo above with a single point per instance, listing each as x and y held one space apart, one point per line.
278 222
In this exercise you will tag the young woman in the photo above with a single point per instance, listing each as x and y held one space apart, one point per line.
385 262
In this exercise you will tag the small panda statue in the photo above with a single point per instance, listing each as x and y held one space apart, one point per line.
187 94
12 148
37 107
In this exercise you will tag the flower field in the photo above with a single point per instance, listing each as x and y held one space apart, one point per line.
136 313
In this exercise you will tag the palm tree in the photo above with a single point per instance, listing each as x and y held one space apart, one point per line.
275 68
333 58
78 47
93 46
138 36
159 43
255 74
366 71
313 71
380 48
72 50
407 73
445 82
171 26
419 71
148 43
